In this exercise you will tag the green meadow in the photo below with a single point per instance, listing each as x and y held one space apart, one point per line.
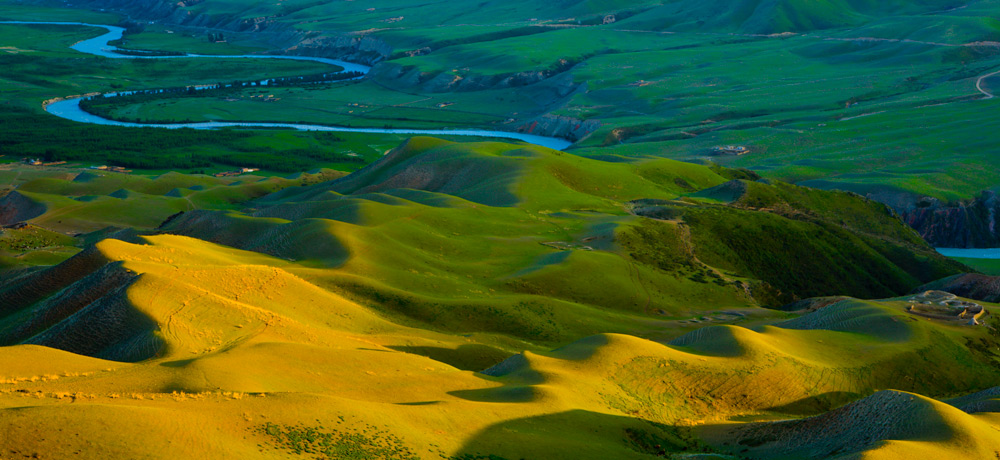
830 104
379 296
155 37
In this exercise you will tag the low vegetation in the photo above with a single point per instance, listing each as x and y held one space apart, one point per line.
492 300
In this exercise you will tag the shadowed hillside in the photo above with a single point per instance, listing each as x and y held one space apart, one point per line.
260 362
573 246
548 215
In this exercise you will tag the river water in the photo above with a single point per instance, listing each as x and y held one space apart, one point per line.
99 46
991 253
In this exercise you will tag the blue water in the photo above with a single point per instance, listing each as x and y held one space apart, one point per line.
991 253
98 46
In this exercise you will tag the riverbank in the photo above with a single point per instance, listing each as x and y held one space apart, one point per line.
69 108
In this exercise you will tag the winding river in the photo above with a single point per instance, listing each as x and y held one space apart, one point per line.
99 46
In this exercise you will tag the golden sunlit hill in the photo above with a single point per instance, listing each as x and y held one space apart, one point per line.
495 301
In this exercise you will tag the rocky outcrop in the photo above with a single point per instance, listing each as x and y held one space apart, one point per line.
966 224
571 129
363 49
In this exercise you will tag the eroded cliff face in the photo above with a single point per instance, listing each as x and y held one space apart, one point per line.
966 224
567 128
363 49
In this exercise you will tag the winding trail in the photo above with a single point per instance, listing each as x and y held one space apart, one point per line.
69 108
979 85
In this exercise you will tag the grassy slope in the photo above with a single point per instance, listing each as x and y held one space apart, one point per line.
247 344
987 266
63 201
811 234
408 235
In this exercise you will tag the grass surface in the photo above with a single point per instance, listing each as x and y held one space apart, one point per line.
499 301
833 106
986 266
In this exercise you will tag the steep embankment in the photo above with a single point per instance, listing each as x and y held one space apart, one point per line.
969 224
796 238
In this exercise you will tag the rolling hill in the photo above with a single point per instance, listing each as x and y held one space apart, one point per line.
642 294
366 314
261 363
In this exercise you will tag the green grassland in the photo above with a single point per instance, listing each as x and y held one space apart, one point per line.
833 105
155 37
356 315
627 298
987 266
19 11
34 246
542 216
826 95
39 66
40 61
341 104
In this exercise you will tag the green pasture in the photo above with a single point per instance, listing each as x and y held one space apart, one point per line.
157 37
